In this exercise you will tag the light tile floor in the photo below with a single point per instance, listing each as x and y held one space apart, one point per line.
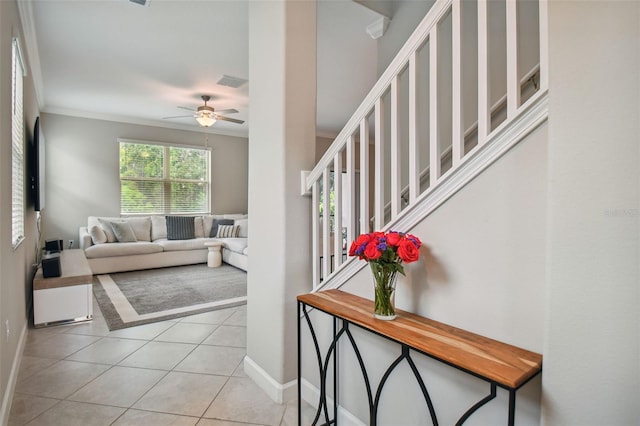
187 371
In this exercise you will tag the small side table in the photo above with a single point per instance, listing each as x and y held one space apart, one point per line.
214 258
67 298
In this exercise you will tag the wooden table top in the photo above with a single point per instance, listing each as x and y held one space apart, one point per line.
499 362
74 268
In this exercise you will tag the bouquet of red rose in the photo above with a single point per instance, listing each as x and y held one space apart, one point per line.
385 253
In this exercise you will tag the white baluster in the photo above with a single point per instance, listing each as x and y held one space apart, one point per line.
414 154
326 221
379 168
484 115
395 149
364 176
434 133
457 140
315 240
337 217
513 79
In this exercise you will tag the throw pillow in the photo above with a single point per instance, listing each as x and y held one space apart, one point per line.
180 228
227 231
123 231
216 223
141 227
158 228
106 227
243 224
97 235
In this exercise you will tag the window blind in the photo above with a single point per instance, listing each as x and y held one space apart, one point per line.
17 147
163 179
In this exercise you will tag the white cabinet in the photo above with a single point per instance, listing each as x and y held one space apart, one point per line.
67 298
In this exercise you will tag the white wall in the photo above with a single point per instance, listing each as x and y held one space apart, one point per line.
82 169
591 356
282 64
483 270
16 265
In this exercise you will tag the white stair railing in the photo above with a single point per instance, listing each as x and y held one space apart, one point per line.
419 113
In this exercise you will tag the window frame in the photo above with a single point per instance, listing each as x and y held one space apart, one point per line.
166 178
18 160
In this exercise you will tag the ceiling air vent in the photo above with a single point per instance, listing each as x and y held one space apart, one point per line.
230 81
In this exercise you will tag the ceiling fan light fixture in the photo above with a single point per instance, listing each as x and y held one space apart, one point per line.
206 120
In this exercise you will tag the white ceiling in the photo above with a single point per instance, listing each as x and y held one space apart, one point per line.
117 60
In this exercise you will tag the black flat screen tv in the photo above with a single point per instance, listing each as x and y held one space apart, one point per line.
36 167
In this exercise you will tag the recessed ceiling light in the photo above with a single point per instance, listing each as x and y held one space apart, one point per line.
231 81
141 2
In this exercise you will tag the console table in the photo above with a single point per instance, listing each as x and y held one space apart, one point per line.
67 298
497 363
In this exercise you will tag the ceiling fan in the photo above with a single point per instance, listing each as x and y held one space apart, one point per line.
206 115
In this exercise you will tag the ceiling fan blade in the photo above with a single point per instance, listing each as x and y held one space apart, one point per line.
187 108
177 116
232 120
227 111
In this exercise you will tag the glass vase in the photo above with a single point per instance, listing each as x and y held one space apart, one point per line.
384 284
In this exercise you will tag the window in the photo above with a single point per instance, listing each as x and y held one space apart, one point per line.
162 179
17 147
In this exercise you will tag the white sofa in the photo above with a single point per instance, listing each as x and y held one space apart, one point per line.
149 246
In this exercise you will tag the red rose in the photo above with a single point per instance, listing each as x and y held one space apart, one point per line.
353 248
362 239
408 251
371 251
357 247
393 239
415 240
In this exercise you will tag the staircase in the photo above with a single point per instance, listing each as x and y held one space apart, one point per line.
467 86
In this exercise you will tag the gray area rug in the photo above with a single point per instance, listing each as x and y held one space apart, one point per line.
127 299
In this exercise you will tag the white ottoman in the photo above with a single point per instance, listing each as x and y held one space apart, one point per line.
214 258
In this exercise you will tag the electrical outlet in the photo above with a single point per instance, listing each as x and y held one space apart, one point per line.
7 330
70 243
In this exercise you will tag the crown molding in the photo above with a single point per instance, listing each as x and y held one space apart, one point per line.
141 121
25 11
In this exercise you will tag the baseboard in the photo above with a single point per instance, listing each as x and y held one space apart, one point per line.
289 391
280 393
13 378
311 394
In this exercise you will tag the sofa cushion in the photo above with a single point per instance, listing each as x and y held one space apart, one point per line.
180 228
235 244
121 249
243 225
179 245
207 221
97 234
105 224
95 220
141 227
123 231
158 228
215 225
246 251
198 224
227 231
